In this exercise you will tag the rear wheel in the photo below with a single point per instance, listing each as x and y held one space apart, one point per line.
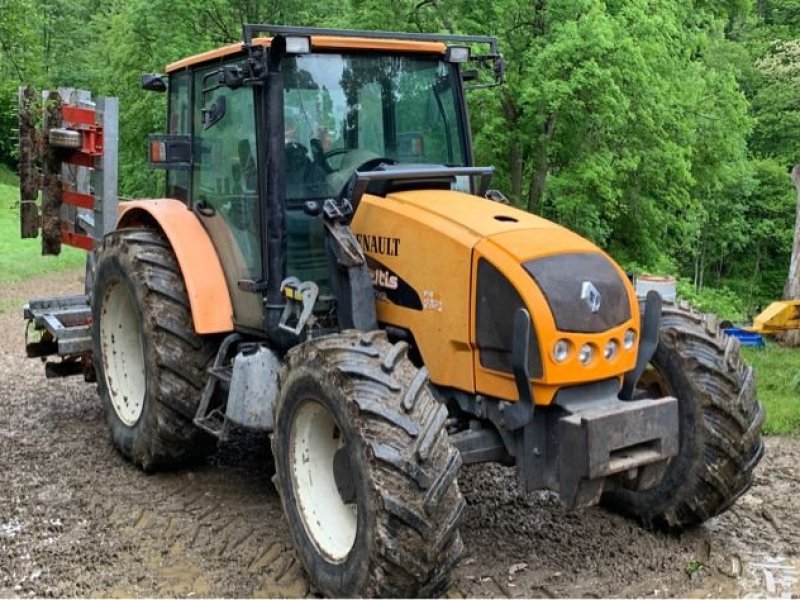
365 470
720 422
150 365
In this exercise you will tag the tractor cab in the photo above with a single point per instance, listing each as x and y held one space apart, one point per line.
338 105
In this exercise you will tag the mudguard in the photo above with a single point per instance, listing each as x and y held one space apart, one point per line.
209 297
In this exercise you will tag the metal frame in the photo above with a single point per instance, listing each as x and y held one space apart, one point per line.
66 319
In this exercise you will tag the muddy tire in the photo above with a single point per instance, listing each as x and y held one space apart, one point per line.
365 470
720 421
150 365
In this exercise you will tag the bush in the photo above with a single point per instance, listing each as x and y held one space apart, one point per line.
722 301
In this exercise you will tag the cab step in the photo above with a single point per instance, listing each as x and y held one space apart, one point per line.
210 415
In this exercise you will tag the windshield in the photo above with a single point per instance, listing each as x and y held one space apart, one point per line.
343 112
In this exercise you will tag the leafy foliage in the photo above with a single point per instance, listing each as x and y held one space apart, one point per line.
661 129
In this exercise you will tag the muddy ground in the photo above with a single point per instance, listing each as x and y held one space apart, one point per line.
76 519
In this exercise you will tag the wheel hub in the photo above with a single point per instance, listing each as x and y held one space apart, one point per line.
122 353
323 480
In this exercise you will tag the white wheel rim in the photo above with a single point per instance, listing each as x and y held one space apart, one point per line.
122 353
314 438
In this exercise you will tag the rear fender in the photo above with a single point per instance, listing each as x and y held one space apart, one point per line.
209 297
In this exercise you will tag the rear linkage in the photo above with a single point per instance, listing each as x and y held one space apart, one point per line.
68 150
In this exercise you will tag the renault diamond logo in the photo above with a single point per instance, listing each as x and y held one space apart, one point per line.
591 296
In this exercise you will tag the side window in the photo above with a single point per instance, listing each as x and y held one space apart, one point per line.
224 173
178 122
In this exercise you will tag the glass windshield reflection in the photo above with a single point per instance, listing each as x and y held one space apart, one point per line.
345 112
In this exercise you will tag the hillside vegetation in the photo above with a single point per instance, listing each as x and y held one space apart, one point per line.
661 129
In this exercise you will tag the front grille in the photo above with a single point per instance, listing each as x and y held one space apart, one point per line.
561 278
497 303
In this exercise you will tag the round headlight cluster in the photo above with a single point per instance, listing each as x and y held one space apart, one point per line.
563 349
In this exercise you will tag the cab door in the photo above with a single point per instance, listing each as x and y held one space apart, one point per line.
224 185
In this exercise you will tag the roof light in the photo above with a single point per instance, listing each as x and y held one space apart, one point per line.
457 54
298 44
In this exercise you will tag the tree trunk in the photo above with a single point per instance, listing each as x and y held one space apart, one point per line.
541 165
514 148
791 290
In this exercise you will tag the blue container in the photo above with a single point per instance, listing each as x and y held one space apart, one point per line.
746 338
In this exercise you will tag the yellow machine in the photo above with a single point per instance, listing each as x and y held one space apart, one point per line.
331 267
778 317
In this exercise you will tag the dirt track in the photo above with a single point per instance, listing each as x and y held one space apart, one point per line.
76 519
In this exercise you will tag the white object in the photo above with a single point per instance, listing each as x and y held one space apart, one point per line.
663 284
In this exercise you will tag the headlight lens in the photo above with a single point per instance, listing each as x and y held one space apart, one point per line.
610 351
561 351
586 354
629 339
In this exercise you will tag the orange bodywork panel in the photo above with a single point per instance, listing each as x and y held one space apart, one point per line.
507 252
318 42
209 297
423 248
422 281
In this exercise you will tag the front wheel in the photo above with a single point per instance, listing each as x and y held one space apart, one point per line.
365 470
719 417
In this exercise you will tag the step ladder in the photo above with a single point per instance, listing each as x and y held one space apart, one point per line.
210 415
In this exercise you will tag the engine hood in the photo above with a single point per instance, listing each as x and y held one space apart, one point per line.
520 233
430 251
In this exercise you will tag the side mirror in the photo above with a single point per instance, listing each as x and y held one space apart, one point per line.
231 77
471 75
152 82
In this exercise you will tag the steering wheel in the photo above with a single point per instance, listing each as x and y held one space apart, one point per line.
336 152
323 157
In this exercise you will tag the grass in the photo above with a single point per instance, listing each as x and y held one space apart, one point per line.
778 384
7 176
22 259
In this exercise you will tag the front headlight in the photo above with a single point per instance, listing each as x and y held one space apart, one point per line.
586 354
561 351
629 340
611 349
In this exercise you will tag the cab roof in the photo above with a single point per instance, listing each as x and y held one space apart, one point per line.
318 42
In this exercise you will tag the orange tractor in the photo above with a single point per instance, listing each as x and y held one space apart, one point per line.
329 266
